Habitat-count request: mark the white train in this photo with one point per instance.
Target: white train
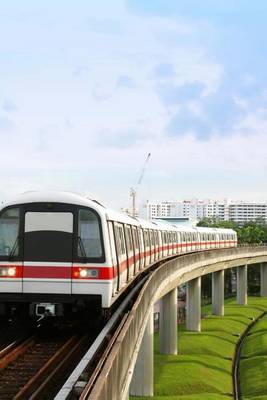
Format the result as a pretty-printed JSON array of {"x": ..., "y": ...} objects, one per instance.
[{"x": 61, "y": 251}]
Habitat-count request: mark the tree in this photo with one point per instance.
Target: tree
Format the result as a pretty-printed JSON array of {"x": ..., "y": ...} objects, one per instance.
[{"x": 251, "y": 232}]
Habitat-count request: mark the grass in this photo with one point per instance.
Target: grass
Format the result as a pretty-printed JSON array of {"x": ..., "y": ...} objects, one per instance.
[
  {"x": 203, "y": 368},
  {"x": 253, "y": 363}
]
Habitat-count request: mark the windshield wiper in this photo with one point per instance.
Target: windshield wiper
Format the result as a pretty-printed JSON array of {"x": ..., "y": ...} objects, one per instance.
[
  {"x": 14, "y": 248},
  {"x": 81, "y": 246}
]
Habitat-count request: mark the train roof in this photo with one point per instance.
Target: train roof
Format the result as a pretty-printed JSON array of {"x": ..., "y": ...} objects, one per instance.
[
  {"x": 78, "y": 199},
  {"x": 54, "y": 197}
]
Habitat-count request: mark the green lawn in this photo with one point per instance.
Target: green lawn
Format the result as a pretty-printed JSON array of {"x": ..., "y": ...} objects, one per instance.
[
  {"x": 203, "y": 368},
  {"x": 253, "y": 363}
]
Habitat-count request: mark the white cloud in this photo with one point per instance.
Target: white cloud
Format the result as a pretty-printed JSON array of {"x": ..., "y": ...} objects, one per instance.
[{"x": 76, "y": 129}]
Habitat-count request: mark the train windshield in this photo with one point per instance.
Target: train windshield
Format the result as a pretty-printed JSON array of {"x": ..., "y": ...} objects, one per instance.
[
  {"x": 48, "y": 236},
  {"x": 89, "y": 238},
  {"x": 9, "y": 232}
]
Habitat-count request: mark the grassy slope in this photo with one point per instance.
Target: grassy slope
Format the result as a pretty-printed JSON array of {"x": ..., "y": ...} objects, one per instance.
[
  {"x": 202, "y": 370},
  {"x": 254, "y": 363}
]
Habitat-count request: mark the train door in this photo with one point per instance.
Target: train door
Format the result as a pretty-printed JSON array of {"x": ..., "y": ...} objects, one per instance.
[
  {"x": 194, "y": 244},
  {"x": 178, "y": 242},
  {"x": 156, "y": 239},
  {"x": 182, "y": 241},
  {"x": 141, "y": 248},
  {"x": 48, "y": 252},
  {"x": 130, "y": 251},
  {"x": 171, "y": 243},
  {"x": 136, "y": 250},
  {"x": 114, "y": 258},
  {"x": 199, "y": 241},
  {"x": 164, "y": 244},
  {"x": 152, "y": 245},
  {"x": 188, "y": 241},
  {"x": 121, "y": 253},
  {"x": 222, "y": 239},
  {"x": 215, "y": 240},
  {"x": 168, "y": 243},
  {"x": 174, "y": 242},
  {"x": 209, "y": 241},
  {"x": 147, "y": 247},
  {"x": 206, "y": 241}
]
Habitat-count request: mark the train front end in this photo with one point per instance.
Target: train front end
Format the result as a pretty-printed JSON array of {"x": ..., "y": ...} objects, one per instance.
[{"x": 52, "y": 256}]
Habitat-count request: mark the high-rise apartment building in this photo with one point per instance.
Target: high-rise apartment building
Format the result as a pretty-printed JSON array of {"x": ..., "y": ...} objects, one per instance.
[{"x": 239, "y": 212}]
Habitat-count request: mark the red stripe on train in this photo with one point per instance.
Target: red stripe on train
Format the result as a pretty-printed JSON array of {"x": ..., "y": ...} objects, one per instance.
[
  {"x": 104, "y": 273},
  {"x": 48, "y": 272}
]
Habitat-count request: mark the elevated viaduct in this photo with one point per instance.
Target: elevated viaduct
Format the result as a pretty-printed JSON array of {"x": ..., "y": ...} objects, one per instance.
[{"x": 129, "y": 367}]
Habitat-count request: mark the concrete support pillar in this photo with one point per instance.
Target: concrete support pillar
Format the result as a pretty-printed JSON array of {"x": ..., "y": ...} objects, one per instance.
[
  {"x": 242, "y": 285},
  {"x": 142, "y": 383},
  {"x": 193, "y": 305},
  {"x": 264, "y": 279},
  {"x": 218, "y": 293},
  {"x": 168, "y": 323}
]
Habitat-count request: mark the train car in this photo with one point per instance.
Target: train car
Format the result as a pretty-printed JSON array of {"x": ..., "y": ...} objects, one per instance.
[{"x": 62, "y": 251}]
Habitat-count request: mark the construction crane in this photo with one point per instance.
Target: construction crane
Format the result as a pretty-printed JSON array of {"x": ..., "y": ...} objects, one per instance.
[{"x": 133, "y": 190}]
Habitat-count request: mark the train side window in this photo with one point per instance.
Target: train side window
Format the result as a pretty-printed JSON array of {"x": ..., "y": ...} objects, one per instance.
[
  {"x": 128, "y": 236},
  {"x": 145, "y": 237},
  {"x": 122, "y": 240},
  {"x": 152, "y": 238},
  {"x": 9, "y": 232},
  {"x": 165, "y": 237},
  {"x": 141, "y": 239},
  {"x": 117, "y": 238},
  {"x": 89, "y": 243},
  {"x": 156, "y": 238},
  {"x": 135, "y": 239}
]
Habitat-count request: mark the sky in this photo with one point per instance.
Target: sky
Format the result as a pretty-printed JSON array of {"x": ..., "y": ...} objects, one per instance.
[{"x": 88, "y": 89}]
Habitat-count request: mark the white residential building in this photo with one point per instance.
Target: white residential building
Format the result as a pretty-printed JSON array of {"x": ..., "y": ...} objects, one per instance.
[{"x": 224, "y": 210}]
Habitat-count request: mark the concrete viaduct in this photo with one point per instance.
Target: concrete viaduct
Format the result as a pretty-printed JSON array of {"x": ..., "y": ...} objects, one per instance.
[{"x": 129, "y": 367}]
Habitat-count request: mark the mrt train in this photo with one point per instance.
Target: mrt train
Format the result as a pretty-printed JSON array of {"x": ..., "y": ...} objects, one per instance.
[{"x": 61, "y": 251}]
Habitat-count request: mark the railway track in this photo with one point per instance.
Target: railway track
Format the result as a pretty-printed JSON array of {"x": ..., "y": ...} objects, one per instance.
[
  {"x": 14, "y": 331},
  {"x": 236, "y": 362},
  {"x": 27, "y": 369}
]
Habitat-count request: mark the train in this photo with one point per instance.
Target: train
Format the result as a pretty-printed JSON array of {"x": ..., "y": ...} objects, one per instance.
[{"x": 61, "y": 252}]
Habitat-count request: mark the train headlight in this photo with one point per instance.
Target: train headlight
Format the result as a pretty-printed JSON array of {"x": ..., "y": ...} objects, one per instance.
[
  {"x": 88, "y": 273},
  {"x": 83, "y": 273},
  {"x": 11, "y": 271}
]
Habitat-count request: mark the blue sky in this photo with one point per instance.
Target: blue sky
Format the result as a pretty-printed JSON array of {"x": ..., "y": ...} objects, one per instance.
[{"x": 87, "y": 89}]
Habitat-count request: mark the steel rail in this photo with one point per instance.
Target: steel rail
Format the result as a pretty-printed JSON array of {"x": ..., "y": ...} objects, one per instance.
[
  {"x": 25, "y": 367},
  {"x": 38, "y": 383},
  {"x": 237, "y": 356},
  {"x": 14, "y": 350},
  {"x": 57, "y": 367}
]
